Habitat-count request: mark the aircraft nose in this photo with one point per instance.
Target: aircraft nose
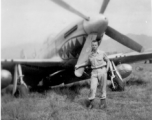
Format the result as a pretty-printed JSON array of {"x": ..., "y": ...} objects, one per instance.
[{"x": 97, "y": 24}]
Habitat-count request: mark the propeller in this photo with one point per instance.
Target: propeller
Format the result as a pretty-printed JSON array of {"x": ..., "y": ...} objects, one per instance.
[
  {"x": 123, "y": 39},
  {"x": 69, "y": 8},
  {"x": 87, "y": 45},
  {"x": 104, "y": 5},
  {"x": 84, "y": 55}
]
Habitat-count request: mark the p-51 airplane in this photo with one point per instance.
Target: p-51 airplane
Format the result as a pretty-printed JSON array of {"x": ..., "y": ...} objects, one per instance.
[{"x": 58, "y": 62}]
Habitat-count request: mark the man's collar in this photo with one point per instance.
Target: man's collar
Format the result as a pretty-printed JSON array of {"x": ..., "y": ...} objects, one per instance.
[{"x": 96, "y": 51}]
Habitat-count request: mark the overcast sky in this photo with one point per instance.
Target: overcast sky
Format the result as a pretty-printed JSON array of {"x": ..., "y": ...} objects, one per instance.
[{"x": 25, "y": 21}]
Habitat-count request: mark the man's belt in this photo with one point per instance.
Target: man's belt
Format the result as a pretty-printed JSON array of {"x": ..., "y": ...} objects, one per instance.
[{"x": 99, "y": 67}]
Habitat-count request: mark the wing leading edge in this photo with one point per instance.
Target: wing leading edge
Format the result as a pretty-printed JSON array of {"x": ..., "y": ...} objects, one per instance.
[
  {"x": 130, "y": 57},
  {"x": 33, "y": 62}
]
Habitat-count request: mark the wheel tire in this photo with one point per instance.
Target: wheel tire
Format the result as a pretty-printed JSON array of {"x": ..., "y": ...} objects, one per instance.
[
  {"x": 22, "y": 90},
  {"x": 119, "y": 84}
]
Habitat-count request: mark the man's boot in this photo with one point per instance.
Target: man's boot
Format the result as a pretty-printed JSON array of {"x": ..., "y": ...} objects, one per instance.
[
  {"x": 90, "y": 106},
  {"x": 103, "y": 104}
]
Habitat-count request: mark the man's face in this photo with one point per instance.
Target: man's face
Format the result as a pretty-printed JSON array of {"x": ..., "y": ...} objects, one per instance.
[{"x": 94, "y": 46}]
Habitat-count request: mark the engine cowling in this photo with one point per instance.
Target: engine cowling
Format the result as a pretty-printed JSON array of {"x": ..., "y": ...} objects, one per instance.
[
  {"x": 6, "y": 78},
  {"x": 125, "y": 70}
]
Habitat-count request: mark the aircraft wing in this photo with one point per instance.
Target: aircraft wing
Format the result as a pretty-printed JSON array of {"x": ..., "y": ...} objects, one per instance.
[
  {"x": 33, "y": 66},
  {"x": 33, "y": 70},
  {"x": 130, "y": 57},
  {"x": 33, "y": 62}
]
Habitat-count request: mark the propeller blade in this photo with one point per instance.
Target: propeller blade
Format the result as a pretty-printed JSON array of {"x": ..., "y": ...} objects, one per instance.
[
  {"x": 104, "y": 5},
  {"x": 123, "y": 39},
  {"x": 84, "y": 54},
  {"x": 69, "y": 8}
]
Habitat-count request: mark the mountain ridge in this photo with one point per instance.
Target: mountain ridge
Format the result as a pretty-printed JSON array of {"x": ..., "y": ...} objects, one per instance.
[{"x": 108, "y": 45}]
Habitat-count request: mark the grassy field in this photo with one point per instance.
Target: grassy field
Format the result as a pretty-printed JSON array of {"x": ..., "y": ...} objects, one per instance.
[{"x": 135, "y": 103}]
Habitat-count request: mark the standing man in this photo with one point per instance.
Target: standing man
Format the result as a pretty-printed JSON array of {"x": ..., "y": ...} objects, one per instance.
[{"x": 100, "y": 65}]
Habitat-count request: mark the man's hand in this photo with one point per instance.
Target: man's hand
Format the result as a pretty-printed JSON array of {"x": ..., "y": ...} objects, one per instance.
[
  {"x": 78, "y": 66},
  {"x": 81, "y": 65}
]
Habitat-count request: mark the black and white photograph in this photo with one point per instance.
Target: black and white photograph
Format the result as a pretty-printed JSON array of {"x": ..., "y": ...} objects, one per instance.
[{"x": 76, "y": 60}]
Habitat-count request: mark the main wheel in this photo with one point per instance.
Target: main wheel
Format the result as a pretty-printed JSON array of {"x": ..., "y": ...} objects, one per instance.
[{"x": 22, "y": 90}]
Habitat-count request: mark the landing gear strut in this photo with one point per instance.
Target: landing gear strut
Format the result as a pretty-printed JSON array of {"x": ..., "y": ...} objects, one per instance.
[
  {"x": 116, "y": 79},
  {"x": 18, "y": 83}
]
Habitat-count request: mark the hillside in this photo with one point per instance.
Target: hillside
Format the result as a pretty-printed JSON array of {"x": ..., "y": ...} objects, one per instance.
[{"x": 107, "y": 45}]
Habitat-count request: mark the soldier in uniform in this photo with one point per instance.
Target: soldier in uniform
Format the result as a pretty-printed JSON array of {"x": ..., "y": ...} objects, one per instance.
[{"x": 100, "y": 65}]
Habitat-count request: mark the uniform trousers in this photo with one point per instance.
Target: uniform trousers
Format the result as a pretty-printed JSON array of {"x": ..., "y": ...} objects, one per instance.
[{"x": 98, "y": 77}]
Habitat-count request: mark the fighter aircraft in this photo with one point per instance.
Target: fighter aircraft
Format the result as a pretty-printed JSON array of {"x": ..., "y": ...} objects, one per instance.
[{"x": 59, "y": 61}]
